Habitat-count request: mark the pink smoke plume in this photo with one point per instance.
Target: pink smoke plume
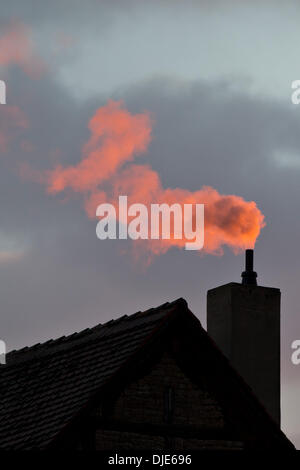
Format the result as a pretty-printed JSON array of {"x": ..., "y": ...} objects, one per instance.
[{"x": 106, "y": 171}]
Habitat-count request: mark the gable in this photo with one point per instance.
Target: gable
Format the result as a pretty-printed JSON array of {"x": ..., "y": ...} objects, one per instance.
[
  {"x": 160, "y": 409},
  {"x": 166, "y": 395}
]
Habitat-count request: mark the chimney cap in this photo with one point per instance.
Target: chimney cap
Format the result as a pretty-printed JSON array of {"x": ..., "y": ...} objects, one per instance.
[{"x": 249, "y": 276}]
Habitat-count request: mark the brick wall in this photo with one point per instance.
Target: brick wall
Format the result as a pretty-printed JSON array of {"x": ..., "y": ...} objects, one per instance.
[{"x": 146, "y": 403}]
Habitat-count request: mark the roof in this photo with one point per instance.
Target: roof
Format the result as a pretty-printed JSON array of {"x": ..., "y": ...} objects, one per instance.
[{"x": 44, "y": 387}]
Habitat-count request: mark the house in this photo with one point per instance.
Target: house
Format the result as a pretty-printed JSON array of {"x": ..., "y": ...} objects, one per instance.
[{"x": 151, "y": 380}]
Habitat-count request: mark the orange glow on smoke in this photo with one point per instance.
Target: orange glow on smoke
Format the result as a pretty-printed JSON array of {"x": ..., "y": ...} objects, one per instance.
[
  {"x": 117, "y": 137},
  {"x": 229, "y": 219}
]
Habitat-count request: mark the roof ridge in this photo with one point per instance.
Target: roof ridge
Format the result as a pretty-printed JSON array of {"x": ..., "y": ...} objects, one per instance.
[{"x": 77, "y": 339}]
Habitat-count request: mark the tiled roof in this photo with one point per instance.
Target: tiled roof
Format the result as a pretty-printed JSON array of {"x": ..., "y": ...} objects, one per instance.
[{"x": 42, "y": 387}]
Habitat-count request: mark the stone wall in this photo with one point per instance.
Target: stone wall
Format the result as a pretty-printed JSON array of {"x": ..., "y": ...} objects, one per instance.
[{"x": 163, "y": 399}]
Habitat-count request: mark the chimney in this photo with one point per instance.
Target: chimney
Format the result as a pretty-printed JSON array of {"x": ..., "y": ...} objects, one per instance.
[{"x": 244, "y": 321}]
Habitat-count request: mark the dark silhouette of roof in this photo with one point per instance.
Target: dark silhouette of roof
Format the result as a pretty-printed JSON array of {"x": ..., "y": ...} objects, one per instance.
[{"x": 43, "y": 388}]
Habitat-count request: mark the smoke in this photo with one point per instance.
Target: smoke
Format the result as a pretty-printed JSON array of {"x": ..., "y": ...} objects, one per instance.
[
  {"x": 116, "y": 137},
  {"x": 16, "y": 48},
  {"x": 107, "y": 170}
]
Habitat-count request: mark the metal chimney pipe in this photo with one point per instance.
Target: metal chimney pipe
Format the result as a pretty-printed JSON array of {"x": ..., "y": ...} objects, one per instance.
[
  {"x": 249, "y": 260},
  {"x": 249, "y": 276}
]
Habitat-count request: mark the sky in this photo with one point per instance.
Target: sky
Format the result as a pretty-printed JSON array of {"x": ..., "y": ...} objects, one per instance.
[{"x": 214, "y": 79}]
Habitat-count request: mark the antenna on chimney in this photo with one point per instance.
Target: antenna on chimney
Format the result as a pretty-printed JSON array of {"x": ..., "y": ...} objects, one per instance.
[{"x": 249, "y": 276}]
